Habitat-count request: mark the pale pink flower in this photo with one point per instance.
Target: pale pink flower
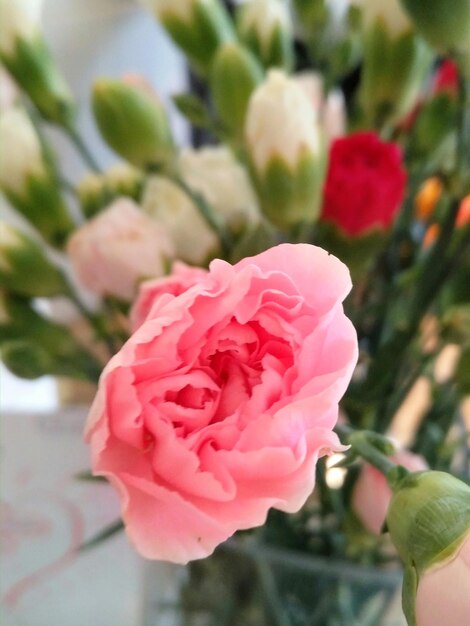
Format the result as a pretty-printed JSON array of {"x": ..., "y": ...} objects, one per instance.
[
  {"x": 119, "y": 247},
  {"x": 443, "y": 595},
  {"x": 372, "y": 495},
  {"x": 219, "y": 405}
]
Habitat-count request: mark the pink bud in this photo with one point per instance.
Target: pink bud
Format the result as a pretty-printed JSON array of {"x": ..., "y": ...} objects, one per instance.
[
  {"x": 443, "y": 595},
  {"x": 118, "y": 248},
  {"x": 372, "y": 495}
]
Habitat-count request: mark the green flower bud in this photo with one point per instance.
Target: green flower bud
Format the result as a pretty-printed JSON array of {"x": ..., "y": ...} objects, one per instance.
[
  {"x": 133, "y": 122},
  {"x": 446, "y": 25},
  {"x": 428, "y": 519},
  {"x": 198, "y": 27},
  {"x": 266, "y": 28},
  {"x": 25, "y": 359},
  {"x": 25, "y": 54},
  {"x": 395, "y": 65},
  {"x": 24, "y": 268},
  {"x": 27, "y": 180},
  {"x": 33, "y": 346},
  {"x": 96, "y": 191},
  {"x": 286, "y": 151},
  {"x": 235, "y": 74}
]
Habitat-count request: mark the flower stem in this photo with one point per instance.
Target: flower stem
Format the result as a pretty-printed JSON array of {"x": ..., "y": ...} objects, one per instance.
[
  {"x": 81, "y": 148},
  {"x": 94, "y": 321},
  {"x": 375, "y": 449},
  {"x": 208, "y": 213}
]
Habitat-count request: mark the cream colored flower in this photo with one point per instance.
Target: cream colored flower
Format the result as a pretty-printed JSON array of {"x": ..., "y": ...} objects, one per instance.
[
  {"x": 182, "y": 9},
  {"x": 18, "y": 18},
  {"x": 263, "y": 17},
  {"x": 220, "y": 178},
  {"x": 194, "y": 241},
  {"x": 280, "y": 122},
  {"x": 390, "y": 12},
  {"x": 20, "y": 151}
]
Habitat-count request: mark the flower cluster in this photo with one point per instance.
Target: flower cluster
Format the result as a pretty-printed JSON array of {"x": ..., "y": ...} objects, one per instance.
[{"x": 312, "y": 250}]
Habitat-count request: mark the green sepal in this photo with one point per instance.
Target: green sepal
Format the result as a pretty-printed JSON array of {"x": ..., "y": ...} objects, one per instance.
[
  {"x": 433, "y": 138},
  {"x": 408, "y": 593},
  {"x": 290, "y": 197},
  {"x": 234, "y": 76},
  {"x": 199, "y": 36},
  {"x": 393, "y": 73},
  {"x": 42, "y": 205},
  {"x": 278, "y": 53},
  {"x": 358, "y": 252},
  {"x": 33, "y": 346},
  {"x": 446, "y": 25},
  {"x": 32, "y": 66},
  {"x": 25, "y": 270}
]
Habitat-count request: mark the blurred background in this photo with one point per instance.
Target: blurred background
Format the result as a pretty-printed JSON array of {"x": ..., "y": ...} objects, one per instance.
[
  {"x": 45, "y": 511},
  {"x": 91, "y": 38}
]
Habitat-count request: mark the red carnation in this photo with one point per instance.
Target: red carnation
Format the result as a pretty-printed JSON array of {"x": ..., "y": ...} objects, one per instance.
[
  {"x": 446, "y": 78},
  {"x": 365, "y": 184}
]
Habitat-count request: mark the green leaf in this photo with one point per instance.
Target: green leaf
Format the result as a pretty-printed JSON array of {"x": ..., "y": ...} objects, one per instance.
[
  {"x": 408, "y": 595},
  {"x": 103, "y": 535},
  {"x": 193, "y": 109}
]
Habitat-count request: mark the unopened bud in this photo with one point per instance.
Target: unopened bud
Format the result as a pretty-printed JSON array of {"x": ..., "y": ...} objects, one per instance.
[
  {"x": 235, "y": 74},
  {"x": 445, "y": 25},
  {"x": 266, "y": 28},
  {"x": 198, "y": 27},
  {"x": 25, "y": 54},
  {"x": 286, "y": 151},
  {"x": 429, "y": 523},
  {"x": 27, "y": 180},
  {"x": 24, "y": 268},
  {"x": 133, "y": 123}
]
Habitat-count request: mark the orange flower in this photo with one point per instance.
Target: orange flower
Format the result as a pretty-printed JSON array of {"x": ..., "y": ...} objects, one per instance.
[
  {"x": 463, "y": 215},
  {"x": 428, "y": 197},
  {"x": 431, "y": 235}
]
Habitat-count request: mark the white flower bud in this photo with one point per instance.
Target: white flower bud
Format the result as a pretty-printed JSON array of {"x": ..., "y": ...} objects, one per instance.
[
  {"x": 198, "y": 27},
  {"x": 18, "y": 19},
  {"x": 390, "y": 13},
  {"x": 20, "y": 151},
  {"x": 280, "y": 122},
  {"x": 266, "y": 27},
  {"x": 193, "y": 239},
  {"x": 285, "y": 148},
  {"x": 176, "y": 8}
]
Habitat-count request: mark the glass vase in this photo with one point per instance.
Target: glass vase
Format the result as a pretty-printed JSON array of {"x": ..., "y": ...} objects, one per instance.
[{"x": 245, "y": 585}]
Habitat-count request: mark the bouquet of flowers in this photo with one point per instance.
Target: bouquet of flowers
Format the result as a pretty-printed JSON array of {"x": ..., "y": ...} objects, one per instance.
[{"x": 278, "y": 318}]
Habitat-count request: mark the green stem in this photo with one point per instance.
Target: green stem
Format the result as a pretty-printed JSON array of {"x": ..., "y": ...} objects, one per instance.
[
  {"x": 208, "y": 213},
  {"x": 82, "y": 149},
  {"x": 93, "y": 320},
  {"x": 463, "y": 146}
]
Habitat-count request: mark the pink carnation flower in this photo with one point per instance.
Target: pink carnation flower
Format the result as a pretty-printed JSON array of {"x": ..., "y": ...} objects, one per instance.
[
  {"x": 182, "y": 277},
  {"x": 221, "y": 402},
  {"x": 116, "y": 249}
]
